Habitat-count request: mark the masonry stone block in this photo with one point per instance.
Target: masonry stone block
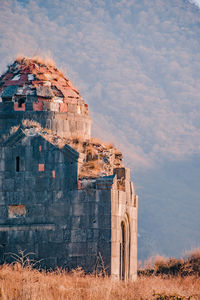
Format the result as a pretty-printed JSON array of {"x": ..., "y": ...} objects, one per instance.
[
  {"x": 3, "y": 211},
  {"x": 78, "y": 209},
  {"x": 92, "y": 235},
  {"x": 66, "y": 126},
  {"x": 92, "y": 248},
  {"x": 72, "y": 126},
  {"x": 77, "y": 249},
  {"x": 49, "y": 262},
  {"x": 104, "y": 221},
  {"x": 9, "y": 197},
  {"x": 105, "y": 235},
  {"x": 67, "y": 235},
  {"x": 8, "y": 184},
  {"x": 71, "y": 263},
  {"x": 2, "y": 198},
  {"x": 18, "y": 197},
  {"x": 76, "y": 221},
  {"x": 58, "y": 209},
  {"x": 78, "y": 236},
  {"x": 7, "y": 175},
  {"x": 92, "y": 221},
  {"x": 19, "y": 182},
  {"x": 35, "y": 210}
]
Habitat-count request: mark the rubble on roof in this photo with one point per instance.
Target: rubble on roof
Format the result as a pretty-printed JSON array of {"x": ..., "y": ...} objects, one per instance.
[
  {"x": 95, "y": 159},
  {"x": 57, "y": 92},
  {"x": 44, "y": 91},
  {"x": 44, "y": 81}
]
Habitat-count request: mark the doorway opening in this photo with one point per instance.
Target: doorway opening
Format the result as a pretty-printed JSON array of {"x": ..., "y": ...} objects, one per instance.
[
  {"x": 122, "y": 252},
  {"x": 125, "y": 250}
]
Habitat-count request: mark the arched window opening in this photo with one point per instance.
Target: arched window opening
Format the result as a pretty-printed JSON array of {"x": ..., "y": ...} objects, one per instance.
[
  {"x": 21, "y": 101},
  {"x": 17, "y": 164},
  {"x": 122, "y": 252}
]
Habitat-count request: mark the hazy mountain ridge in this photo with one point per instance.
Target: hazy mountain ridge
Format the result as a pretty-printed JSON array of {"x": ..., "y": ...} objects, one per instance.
[
  {"x": 137, "y": 65},
  {"x": 169, "y": 209}
]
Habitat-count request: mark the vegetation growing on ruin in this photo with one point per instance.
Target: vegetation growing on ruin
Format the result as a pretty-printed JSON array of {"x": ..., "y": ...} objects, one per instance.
[
  {"x": 47, "y": 60},
  {"x": 96, "y": 157},
  {"x": 21, "y": 281}
]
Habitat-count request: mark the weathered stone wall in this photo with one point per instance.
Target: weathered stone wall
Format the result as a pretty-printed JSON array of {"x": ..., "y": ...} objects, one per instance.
[
  {"x": 45, "y": 211},
  {"x": 33, "y": 173},
  {"x": 72, "y": 230},
  {"x": 82, "y": 232},
  {"x": 91, "y": 223},
  {"x": 67, "y": 124},
  {"x": 42, "y": 211}
]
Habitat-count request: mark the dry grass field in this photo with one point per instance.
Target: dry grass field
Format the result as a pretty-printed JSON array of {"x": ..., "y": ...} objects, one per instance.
[
  {"x": 17, "y": 283},
  {"x": 162, "y": 280}
]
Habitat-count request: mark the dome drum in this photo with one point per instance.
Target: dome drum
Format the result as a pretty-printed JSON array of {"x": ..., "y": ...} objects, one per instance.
[{"x": 30, "y": 89}]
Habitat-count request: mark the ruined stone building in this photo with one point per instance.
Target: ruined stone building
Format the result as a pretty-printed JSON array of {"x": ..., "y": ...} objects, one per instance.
[{"x": 64, "y": 196}]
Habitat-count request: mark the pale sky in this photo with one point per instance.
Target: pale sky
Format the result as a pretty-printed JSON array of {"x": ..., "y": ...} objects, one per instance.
[{"x": 197, "y": 2}]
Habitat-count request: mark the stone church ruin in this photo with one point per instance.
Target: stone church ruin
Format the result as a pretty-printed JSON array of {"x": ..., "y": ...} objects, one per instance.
[{"x": 64, "y": 195}]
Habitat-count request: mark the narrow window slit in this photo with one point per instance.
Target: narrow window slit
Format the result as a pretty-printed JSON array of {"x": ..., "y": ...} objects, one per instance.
[{"x": 17, "y": 163}]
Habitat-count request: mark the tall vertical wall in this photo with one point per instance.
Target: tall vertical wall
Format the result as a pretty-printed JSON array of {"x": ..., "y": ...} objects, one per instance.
[{"x": 123, "y": 215}]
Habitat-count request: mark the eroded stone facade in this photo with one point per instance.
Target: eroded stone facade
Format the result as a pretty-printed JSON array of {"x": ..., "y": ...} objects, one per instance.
[{"x": 47, "y": 208}]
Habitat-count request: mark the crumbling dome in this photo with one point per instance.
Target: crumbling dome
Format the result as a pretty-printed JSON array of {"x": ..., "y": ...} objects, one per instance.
[{"x": 33, "y": 89}]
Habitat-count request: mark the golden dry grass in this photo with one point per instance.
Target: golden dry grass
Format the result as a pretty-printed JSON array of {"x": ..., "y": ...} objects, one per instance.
[
  {"x": 18, "y": 283},
  {"x": 94, "y": 150},
  {"x": 38, "y": 59},
  {"x": 189, "y": 264},
  {"x": 13, "y": 129}
]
